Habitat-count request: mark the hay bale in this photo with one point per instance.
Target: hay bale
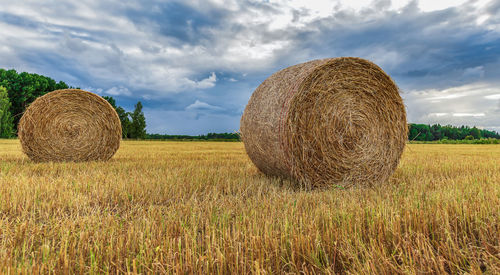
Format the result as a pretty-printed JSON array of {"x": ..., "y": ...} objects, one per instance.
[
  {"x": 70, "y": 125},
  {"x": 326, "y": 122}
]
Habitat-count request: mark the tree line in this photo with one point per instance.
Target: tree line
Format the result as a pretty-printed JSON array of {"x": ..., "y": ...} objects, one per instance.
[
  {"x": 425, "y": 132},
  {"x": 417, "y": 132},
  {"x": 19, "y": 90},
  {"x": 209, "y": 136}
]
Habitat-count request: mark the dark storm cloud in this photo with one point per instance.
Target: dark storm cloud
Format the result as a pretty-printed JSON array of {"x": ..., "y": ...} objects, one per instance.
[
  {"x": 197, "y": 62},
  {"x": 184, "y": 23},
  {"x": 431, "y": 49}
]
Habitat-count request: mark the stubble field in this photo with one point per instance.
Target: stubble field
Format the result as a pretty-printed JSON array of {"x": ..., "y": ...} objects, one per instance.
[{"x": 202, "y": 207}]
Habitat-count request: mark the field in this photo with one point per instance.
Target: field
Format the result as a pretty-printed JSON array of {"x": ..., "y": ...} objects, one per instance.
[{"x": 202, "y": 207}]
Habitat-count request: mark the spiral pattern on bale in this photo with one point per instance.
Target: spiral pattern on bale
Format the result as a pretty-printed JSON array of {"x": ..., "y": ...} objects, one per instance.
[
  {"x": 70, "y": 125},
  {"x": 338, "y": 121}
]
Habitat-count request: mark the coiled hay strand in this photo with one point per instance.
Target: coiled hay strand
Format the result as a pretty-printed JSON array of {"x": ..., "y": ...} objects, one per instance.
[
  {"x": 70, "y": 125},
  {"x": 329, "y": 122}
]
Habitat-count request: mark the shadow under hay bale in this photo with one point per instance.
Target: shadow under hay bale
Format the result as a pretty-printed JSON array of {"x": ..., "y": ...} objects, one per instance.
[
  {"x": 329, "y": 122},
  {"x": 70, "y": 125}
]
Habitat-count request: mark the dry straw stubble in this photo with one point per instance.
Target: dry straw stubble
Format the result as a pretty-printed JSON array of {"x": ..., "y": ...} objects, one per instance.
[
  {"x": 70, "y": 125},
  {"x": 338, "y": 121}
]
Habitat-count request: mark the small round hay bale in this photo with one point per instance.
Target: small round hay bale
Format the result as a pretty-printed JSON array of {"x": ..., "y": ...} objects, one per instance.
[
  {"x": 338, "y": 121},
  {"x": 70, "y": 125}
]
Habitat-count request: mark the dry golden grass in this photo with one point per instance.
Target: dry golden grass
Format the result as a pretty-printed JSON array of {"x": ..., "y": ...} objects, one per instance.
[{"x": 201, "y": 207}]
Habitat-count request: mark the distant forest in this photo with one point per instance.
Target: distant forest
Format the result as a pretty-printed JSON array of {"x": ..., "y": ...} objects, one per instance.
[
  {"x": 424, "y": 132},
  {"x": 209, "y": 136},
  {"x": 417, "y": 132}
]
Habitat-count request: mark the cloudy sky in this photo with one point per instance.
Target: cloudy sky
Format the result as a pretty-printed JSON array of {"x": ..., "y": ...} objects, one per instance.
[{"x": 195, "y": 63}]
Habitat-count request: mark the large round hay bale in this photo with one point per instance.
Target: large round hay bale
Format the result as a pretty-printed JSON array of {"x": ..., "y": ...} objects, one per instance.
[
  {"x": 338, "y": 121},
  {"x": 70, "y": 125}
]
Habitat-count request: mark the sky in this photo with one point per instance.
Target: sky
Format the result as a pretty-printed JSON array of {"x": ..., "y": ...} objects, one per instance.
[{"x": 195, "y": 63}]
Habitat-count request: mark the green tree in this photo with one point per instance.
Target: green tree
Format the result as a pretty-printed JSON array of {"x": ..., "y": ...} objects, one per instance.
[
  {"x": 124, "y": 119},
  {"x": 6, "y": 119},
  {"x": 420, "y": 132},
  {"x": 475, "y": 133},
  {"x": 24, "y": 88},
  {"x": 436, "y": 131},
  {"x": 110, "y": 100},
  {"x": 413, "y": 133},
  {"x": 123, "y": 115},
  {"x": 138, "y": 125}
]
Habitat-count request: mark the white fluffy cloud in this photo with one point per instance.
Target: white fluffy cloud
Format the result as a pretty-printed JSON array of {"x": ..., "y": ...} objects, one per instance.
[
  {"x": 200, "y": 105},
  {"x": 118, "y": 91}
]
